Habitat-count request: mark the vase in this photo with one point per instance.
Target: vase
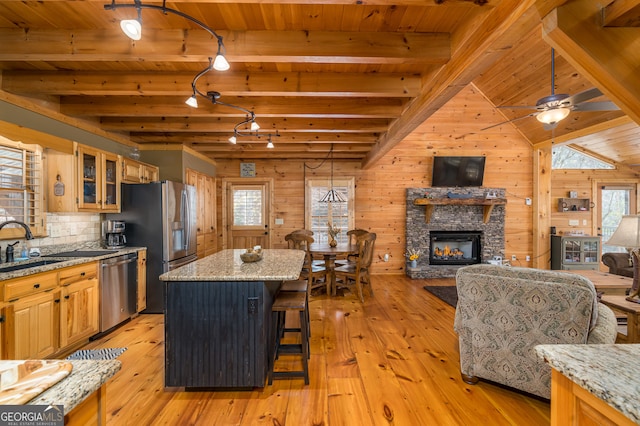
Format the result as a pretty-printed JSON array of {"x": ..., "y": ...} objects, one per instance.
[
  {"x": 332, "y": 242},
  {"x": 414, "y": 263}
]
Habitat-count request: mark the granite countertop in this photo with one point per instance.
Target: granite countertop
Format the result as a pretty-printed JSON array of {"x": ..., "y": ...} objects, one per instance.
[
  {"x": 48, "y": 253},
  {"x": 85, "y": 378},
  {"x": 226, "y": 265},
  {"x": 609, "y": 372}
]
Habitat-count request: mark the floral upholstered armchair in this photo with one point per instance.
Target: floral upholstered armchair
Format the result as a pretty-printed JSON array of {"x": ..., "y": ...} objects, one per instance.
[{"x": 504, "y": 312}]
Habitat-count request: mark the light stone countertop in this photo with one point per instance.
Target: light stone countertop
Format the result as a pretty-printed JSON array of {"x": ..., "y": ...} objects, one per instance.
[
  {"x": 226, "y": 265},
  {"x": 85, "y": 378},
  {"x": 48, "y": 253},
  {"x": 609, "y": 372}
]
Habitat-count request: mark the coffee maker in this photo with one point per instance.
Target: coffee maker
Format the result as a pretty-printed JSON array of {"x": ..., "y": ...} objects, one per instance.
[{"x": 113, "y": 234}]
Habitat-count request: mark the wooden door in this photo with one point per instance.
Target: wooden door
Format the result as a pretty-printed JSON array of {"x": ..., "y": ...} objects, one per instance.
[
  {"x": 79, "y": 312},
  {"x": 32, "y": 325},
  {"x": 247, "y": 213}
]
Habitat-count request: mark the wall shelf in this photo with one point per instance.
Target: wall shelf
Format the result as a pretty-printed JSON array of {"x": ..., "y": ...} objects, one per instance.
[{"x": 487, "y": 203}]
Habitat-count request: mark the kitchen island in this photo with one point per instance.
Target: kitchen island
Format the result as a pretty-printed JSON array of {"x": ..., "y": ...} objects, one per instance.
[{"x": 218, "y": 331}]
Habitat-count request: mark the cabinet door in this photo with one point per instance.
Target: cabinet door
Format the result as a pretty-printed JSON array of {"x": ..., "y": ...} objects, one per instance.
[
  {"x": 590, "y": 251},
  {"x": 210, "y": 204},
  {"x": 150, "y": 173},
  {"x": 79, "y": 311},
  {"x": 110, "y": 180},
  {"x": 141, "y": 304},
  {"x": 32, "y": 324},
  {"x": 572, "y": 250},
  {"x": 131, "y": 171},
  {"x": 89, "y": 184}
]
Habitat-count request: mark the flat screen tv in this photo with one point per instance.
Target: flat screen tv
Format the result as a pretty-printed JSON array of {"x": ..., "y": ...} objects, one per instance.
[{"x": 458, "y": 171}]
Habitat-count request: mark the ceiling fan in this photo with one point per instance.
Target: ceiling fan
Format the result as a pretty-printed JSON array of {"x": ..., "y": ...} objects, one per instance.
[{"x": 551, "y": 109}]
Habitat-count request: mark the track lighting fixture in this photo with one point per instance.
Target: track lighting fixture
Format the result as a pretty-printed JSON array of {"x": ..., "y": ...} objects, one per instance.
[{"x": 133, "y": 27}]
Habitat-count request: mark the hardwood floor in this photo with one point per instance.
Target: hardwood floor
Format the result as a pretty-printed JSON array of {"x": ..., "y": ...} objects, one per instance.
[{"x": 392, "y": 360}]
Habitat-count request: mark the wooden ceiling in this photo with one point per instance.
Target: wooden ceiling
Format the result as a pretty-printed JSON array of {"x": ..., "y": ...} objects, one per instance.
[{"x": 355, "y": 75}]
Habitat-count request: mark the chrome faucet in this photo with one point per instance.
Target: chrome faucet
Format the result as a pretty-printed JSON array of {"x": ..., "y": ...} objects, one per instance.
[{"x": 27, "y": 231}]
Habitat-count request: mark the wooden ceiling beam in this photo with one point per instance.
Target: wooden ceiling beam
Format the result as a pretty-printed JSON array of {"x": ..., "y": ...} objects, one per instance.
[
  {"x": 622, "y": 13},
  {"x": 287, "y": 137},
  {"x": 457, "y": 3},
  {"x": 198, "y": 124},
  {"x": 227, "y": 83},
  {"x": 574, "y": 30},
  {"x": 240, "y": 46},
  {"x": 174, "y": 106},
  {"x": 477, "y": 45}
]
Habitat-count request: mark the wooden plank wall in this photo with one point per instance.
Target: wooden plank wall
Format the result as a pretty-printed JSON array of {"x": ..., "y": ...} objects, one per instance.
[{"x": 380, "y": 191}]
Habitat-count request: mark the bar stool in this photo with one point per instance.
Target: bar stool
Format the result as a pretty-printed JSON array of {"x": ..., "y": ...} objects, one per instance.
[
  {"x": 297, "y": 286},
  {"x": 284, "y": 302}
]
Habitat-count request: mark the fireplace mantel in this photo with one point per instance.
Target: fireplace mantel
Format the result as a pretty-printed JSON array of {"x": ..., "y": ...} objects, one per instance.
[{"x": 486, "y": 203}]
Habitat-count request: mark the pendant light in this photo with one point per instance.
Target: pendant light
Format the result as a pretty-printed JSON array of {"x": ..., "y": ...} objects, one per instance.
[{"x": 332, "y": 196}]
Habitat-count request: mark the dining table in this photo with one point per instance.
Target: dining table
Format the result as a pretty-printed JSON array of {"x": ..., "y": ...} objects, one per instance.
[{"x": 330, "y": 255}]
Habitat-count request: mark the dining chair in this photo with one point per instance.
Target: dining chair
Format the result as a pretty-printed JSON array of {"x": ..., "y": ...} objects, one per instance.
[
  {"x": 313, "y": 273},
  {"x": 352, "y": 238},
  {"x": 317, "y": 262},
  {"x": 358, "y": 272}
]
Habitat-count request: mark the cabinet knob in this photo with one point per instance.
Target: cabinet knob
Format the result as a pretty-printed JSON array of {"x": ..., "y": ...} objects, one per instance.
[
  {"x": 67, "y": 297},
  {"x": 36, "y": 286}
]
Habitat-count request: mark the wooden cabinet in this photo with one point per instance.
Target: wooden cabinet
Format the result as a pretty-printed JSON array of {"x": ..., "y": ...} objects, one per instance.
[
  {"x": 575, "y": 252},
  {"x": 141, "y": 303},
  {"x": 79, "y": 303},
  {"x": 206, "y": 239},
  {"x": 88, "y": 181},
  {"x": 32, "y": 326},
  {"x": 45, "y": 314},
  {"x": 134, "y": 171}
]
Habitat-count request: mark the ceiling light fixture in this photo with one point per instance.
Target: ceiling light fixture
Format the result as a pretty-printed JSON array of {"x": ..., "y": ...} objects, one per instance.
[
  {"x": 332, "y": 196},
  {"x": 133, "y": 27},
  {"x": 552, "y": 116}
]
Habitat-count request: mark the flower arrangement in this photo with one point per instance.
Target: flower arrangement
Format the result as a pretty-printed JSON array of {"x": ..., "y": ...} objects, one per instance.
[
  {"x": 333, "y": 230},
  {"x": 413, "y": 254}
]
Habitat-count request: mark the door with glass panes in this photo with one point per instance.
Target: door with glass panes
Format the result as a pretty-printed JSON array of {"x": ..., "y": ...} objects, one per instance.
[{"x": 247, "y": 214}]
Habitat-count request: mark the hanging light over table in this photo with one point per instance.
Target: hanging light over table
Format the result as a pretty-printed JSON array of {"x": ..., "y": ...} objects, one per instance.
[{"x": 332, "y": 196}]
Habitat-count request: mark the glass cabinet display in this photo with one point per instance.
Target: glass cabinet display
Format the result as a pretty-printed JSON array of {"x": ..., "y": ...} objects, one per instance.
[
  {"x": 575, "y": 252},
  {"x": 99, "y": 179}
]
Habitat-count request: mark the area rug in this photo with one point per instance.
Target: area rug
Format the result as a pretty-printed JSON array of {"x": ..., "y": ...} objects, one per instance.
[
  {"x": 447, "y": 293},
  {"x": 96, "y": 354}
]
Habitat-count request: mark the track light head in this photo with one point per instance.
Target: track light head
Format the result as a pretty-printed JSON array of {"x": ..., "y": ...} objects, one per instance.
[
  {"x": 192, "y": 101},
  {"x": 233, "y": 139}
]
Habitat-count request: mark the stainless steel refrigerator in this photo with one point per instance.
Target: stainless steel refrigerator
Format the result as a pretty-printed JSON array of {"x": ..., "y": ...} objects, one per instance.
[{"x": 160, "y": 216}]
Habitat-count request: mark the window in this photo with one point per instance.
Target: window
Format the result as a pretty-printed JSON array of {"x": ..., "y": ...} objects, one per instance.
[
  {"x": 616, "y": 200},
  {"x": 247, "y": 207},
  {"x": 319, "y": 215},
  {"x": 564, "y": 157},
  {"x": 21, "y": 188}
]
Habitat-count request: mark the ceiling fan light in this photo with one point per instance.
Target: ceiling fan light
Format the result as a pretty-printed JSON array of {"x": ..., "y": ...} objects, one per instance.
[
  {"x": 553, "y": 115},
  {"x": 192, "y": 101},
  {"x": 132, "y": 28},
  {"x": 233, "y": 139}
]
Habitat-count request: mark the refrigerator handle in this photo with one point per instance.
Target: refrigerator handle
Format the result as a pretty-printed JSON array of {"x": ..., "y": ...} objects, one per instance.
[{"x": 185, "y": 214}]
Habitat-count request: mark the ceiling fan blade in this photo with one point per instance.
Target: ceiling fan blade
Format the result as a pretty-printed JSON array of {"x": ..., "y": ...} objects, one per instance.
[
  {"x": 583, "y": 96},
  {"x": 596, "y": 106},
  {"x": 511, "y": 121}
]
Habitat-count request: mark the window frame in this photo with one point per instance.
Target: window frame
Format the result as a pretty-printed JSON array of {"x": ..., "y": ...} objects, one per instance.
[
  {"x": 33, "y": 191},
  {"x": 320, "y": 234}
]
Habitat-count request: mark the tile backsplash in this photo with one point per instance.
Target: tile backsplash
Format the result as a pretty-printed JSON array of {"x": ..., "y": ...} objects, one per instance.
[{"x": 69, "y": 228}]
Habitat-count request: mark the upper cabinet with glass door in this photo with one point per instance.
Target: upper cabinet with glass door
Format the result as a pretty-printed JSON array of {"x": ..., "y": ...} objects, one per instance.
[
  {"x": 98, "y": 175},
  {"x": 87, "y": 181}
]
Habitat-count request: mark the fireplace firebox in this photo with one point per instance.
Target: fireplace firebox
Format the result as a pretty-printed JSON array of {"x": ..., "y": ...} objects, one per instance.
[{"x": 455, "y": 247}]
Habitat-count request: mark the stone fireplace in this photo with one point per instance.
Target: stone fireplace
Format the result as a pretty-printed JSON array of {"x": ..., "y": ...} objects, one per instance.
[{"x": 460, "y": 218}]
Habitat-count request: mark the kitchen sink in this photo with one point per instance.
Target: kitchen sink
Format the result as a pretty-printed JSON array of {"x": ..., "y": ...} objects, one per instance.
[{"x": 37, "y": 263}]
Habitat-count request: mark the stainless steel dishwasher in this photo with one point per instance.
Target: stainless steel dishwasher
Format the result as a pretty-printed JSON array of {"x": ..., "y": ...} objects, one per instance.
[{"x": 118, "y": 287}]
